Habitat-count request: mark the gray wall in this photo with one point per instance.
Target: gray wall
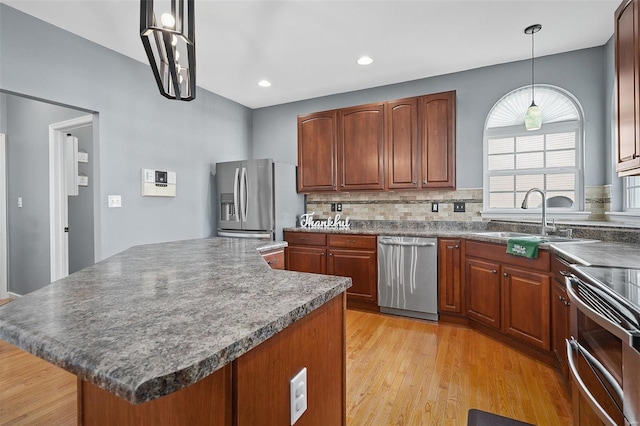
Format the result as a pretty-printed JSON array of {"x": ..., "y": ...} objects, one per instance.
[
  {"x": 28, "y": 177},
  {"x": 80, "y": 207},
  {"x": 580, "y": 72},
  {"x": 137, "y": 128}
]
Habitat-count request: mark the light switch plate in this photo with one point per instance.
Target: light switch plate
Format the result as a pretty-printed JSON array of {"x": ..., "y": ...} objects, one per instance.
[
  {"x": 298, "y": 395},
  {"x": 434, "y": 207}
]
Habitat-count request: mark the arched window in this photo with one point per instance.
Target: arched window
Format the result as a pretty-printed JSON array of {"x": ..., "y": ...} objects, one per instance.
[{"x": 516, "y": 160}]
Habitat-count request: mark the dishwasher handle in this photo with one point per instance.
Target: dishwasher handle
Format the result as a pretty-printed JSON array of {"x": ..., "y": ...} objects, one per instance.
[{"x": 404, "y": 244}]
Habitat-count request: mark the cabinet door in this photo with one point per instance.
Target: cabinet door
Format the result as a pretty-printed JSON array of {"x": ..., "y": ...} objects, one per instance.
[
  {"x": 307, "y": 259},
  {"x": 361, "y": 147},
  {"x": 437, "y": 127},
  {"x": 482, "y": 292},
  {"x": 450, "y": 276},
  {"x": 362, "y": 267},
  {"x": 401, "y": 127},
  {"x": 317, "y": 152},
  {"x": 628, "y": 78},
  {"x": 560, "y": 325},
  {"x": 275, "y": 259},
  {"x": 526, "y": 306}
]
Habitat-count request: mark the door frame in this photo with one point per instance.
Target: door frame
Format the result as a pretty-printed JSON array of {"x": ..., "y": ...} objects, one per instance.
[
  {"x": 58, "y": 202},
  {"x": 4, "y": 278}
]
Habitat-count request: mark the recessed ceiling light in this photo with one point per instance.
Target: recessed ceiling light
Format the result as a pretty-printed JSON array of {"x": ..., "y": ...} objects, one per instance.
[
  {"x": 364, "y": 60},
  {"x": 264, "y": 83}
]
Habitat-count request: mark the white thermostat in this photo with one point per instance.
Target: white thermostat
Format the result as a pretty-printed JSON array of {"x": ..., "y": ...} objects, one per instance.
[{"x": 157, "y": 183}]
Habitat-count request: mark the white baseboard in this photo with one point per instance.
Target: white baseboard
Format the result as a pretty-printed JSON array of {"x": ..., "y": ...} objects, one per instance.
[{"x": 10, "y": 295}]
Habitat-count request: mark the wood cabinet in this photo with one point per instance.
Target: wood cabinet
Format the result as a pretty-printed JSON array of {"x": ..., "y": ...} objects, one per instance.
[
  {"x": 317, "y": 152},
  {"x": 509, "y": 293},
  {"x": 437, "y": 129},
  {"x": 401, "y": 127},
  {"x": 525, "y": 306},
  {"x": 560, "y": 315},
  {"x": 627, "y": 47},
  {"x": 274, "y": 258},
  {"x": 402, "y": 144},
  {"x": 346, "y": 255},
  {"x": 483, "y": 291},
  {"x": 361, "y": 147},
  {"x": 450, "y": 275}
]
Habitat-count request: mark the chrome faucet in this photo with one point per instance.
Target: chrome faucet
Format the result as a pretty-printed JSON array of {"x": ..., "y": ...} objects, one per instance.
[{"x": 525, "y": 205}]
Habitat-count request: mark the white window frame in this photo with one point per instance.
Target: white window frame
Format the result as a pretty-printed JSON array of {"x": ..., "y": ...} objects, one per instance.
[
  {"x": 635, "y": 210},
  {"x": 577, "y": 211}
]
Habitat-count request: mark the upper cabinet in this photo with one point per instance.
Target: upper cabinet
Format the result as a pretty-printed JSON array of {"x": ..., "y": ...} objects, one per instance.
[
  {"x": 401, "y": 126},
  {"x": 317, "y": 152},
  {"x": 437, "y": 140},
  {"x": 403, "y": 144},
  {"x": 627, "y": 45},
  {"x": 361, "y": 147}
]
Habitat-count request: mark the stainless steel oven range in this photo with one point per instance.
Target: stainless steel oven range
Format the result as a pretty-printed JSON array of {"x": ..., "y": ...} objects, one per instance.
[{"x": 604, "y": 348}]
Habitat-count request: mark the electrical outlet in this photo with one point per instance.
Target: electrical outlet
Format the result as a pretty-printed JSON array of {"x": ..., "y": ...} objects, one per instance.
[
  {"x": 298, "y": 388},
  {"x": 339, "y": 207},
  {"x": 458, "y": 207},
  {"x": 115, "y": 201},
  {"x": 333, "y": 207},
  {"x": 434, "y": 207}
]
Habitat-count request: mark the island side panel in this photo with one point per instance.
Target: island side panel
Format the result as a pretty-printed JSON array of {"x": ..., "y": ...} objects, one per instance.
[
  {"x": 261, "y": 377},
  {"x": 207, "y": 402}
]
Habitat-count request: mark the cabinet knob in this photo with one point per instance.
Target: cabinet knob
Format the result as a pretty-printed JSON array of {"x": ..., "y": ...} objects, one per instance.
[
  {"x": 413, "y": 182},
  {"x": 560, "y": 298},
  {"x": 330, "y": 254},
  {"x": 424, "y": 182},
  {"x": 272, "y": 262},
  {"x": 504, "y": 274},
  {"x": 494, "y": 271},
  {"x": 566, "y": 303},
  {"x": 321, "y": 254},
  {"x": 456, "y": 246}
]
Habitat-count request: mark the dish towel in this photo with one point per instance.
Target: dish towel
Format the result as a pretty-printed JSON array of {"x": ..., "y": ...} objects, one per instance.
[{"x": 525, "y": 246}]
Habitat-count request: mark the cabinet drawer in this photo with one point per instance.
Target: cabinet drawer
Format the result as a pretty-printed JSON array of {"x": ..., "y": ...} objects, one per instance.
[
  {"x": 558, "y": 264},
  {"x": 498, "y": 252},
  {"x": 305, "y": 238},
  {"x": 275, "y": 259},
  {"x": 353, "y": 241}
]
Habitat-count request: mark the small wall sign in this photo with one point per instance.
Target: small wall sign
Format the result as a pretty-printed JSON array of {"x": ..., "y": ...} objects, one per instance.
[{"x": 306, "y": 221}]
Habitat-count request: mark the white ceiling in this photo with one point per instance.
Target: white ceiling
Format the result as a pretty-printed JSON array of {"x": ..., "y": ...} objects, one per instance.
[{"x": 309, "y": 48}]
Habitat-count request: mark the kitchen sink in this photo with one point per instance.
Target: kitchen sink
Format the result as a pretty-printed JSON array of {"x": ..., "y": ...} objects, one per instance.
[{"x": 549, "y": 238}]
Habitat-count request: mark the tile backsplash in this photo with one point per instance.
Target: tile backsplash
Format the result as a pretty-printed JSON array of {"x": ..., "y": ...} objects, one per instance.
[
  {"x": 409, "y": 205},
  {"x": 417, "y": 205}
]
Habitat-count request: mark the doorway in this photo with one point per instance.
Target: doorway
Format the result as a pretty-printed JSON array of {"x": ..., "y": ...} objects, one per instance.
[
  {"x": 63, "y": 166},
  {"x": 4, "y": 291}
]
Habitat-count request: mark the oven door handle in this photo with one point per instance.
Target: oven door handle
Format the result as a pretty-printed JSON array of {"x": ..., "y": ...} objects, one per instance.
[
  {"x": 572, "y": 347},
  {"x": 626, "y": 336}
]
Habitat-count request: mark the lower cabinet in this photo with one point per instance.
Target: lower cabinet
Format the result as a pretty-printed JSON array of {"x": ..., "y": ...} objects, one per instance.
[
  {"x": 509, "y": 293},
  {"x": 347, "y": 255},
  {"x": 450, "y": 276},
  {"x": 483, "y": 291},
  {"x": 560, "y": 315}
]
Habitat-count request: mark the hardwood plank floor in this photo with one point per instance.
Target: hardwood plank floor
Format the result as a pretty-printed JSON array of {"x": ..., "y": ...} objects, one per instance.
[
  {"x": 403, "y": 371},
  {"x": 399, "y": 372}
]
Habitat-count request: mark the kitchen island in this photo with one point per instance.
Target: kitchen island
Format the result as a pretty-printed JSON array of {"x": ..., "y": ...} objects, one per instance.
[{"x": 192, "y": 332}]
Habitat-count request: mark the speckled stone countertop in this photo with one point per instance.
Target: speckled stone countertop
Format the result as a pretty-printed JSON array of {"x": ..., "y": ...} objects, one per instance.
[
  {"x": 157, "y": 318},
  {"x": 586, "y": 252}
]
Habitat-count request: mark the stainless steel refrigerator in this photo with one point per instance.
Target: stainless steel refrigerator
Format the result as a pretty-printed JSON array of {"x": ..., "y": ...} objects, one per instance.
[{"x": 257, "y": 198}]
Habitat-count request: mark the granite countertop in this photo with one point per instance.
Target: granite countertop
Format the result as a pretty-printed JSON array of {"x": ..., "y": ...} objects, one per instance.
[
  {"x": 582, "y": 251},
  {"x": 157, "y": 318}
]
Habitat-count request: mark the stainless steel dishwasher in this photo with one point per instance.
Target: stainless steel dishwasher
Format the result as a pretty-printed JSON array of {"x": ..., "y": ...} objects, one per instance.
[{"x": 408, "y": 276}]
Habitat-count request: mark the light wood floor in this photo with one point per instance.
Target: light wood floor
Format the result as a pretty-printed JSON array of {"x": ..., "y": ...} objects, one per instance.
[{"x": 399, "y": 372}]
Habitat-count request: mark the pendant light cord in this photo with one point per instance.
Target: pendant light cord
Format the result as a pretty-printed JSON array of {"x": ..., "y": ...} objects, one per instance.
[{"x": 533, "y": 59}]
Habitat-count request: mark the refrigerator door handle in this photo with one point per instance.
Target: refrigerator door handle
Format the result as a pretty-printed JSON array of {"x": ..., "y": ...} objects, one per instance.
[
  {"x": 235, "y": 194},
  {"x": 244, "y": 194}
]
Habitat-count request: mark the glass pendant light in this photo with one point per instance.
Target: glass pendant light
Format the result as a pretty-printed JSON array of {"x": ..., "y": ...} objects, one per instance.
[
  {"x": 164, "y": 39},
  {"x": 533, "y": 118}
]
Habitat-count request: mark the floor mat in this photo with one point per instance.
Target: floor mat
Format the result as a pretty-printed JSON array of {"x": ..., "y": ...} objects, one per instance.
[{"x": 482, "y": 418}]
